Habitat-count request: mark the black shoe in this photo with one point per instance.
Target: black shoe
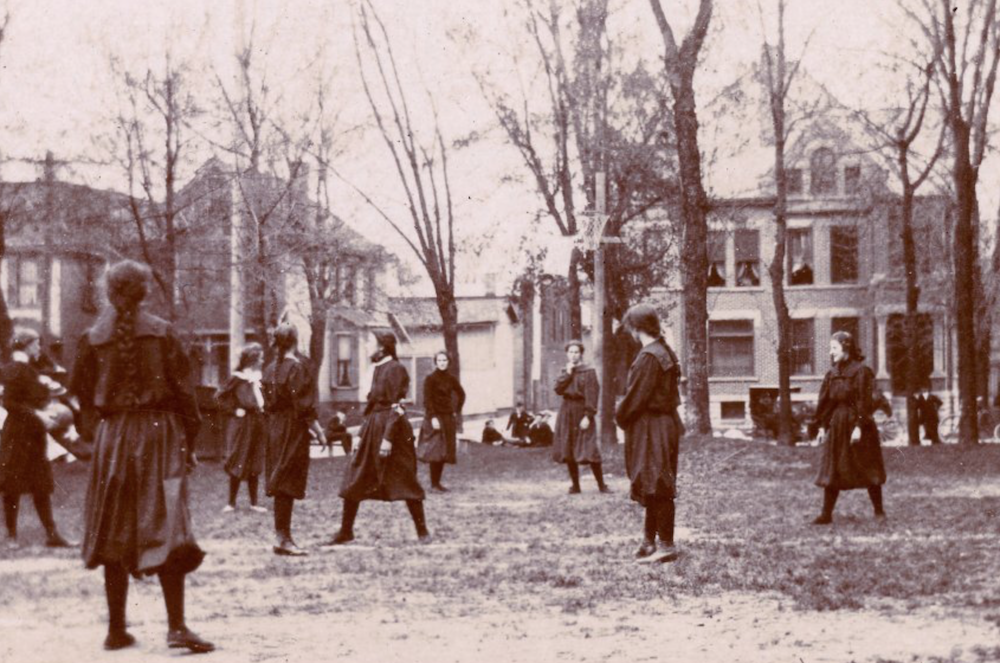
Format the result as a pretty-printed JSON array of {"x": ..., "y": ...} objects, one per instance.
[
  {"x": 603, "y": 488},
  {"x": 574, "y": 490},
  {"x": 185, "y": 638},
  {"x": 118, "y": 640},
  {"x": 55, "y": 540},
  {"x": 822, "y": 519},
  {"x": 646, "y": 549},
  {"x": 339, "y": 539}
]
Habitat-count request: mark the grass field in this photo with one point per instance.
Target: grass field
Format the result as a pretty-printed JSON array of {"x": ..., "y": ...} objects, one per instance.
[{"x": 521, "y": 571}]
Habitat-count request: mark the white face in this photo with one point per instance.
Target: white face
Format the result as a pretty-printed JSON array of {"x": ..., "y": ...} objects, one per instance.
[
  {"x": 836, "y": 350},
  {"x": 574, "y": 354},
  {"x": 442, "y": 363}
]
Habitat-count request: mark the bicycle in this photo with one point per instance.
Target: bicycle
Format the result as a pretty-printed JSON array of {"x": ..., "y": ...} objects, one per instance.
[{"x": 989, "y": 425}]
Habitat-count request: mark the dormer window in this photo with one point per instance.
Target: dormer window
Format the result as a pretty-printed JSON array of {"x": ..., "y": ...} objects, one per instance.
[{"x": 823, "y": 172}]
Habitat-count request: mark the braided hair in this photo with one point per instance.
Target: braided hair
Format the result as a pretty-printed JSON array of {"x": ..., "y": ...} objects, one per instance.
[{"x": 127, "y": 286}]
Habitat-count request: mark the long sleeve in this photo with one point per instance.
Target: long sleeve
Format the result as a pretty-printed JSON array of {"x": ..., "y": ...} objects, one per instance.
[
  {"x": 302, "y": 391},
  {"x": 591, "y": 393},
  {"x": 641, "y": 383},
  {"x": 563, "y": 382},
  {"x": 864, "y": 385},
  {"x": 459, "y": 394},
  {"x": 824, "y": 409},
  {"x": 182, "y": 386},
  {"x": 510, "y": 420},
  {"x": 84, "y": 375}
]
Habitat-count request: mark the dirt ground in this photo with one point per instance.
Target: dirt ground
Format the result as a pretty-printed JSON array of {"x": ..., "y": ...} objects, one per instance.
[{"x": 521, "y": 571}]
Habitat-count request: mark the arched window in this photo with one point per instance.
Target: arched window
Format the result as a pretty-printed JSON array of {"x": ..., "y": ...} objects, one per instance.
[{"x": 823, "y": 172}]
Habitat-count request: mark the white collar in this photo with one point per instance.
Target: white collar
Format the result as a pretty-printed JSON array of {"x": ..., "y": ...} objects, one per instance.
[
  {"x": 20, "y": 356},
  {"x": 383, "y": 360},
  {"x": 248, "y": 375}
]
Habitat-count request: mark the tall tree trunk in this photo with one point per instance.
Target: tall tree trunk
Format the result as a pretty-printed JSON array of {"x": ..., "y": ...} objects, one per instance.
[
  {"x": 776, "y": 270},
  {"x": 965, "y": 282},
  {"x": 573, "y": 290},
  {"x": 912, "y": 302},
  {"x": 694, "y": 264},
  {"x": 528, "y": 322}
]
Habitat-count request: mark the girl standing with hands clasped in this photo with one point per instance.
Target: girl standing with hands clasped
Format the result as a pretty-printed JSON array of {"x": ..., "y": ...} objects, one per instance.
[
  {"x": 242, "y": 398},
  {"x": 576, "y": 435},
  {"x": 851, "y": 456},
  {"x": 290, "y": 401},
  {"x": 443, "y": 397},
  {"x": 132, "y": 371}
]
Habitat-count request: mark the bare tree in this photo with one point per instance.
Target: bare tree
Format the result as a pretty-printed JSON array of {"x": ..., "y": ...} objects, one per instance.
[
  {"x": 896, "y": 136},
  {"x": 965, "y": 43},
  {"x": 422, "y": 170},
  {"x": 681, "y": 64},
  {"x": 159, "y": 108},
  {"x": 8, "y": 212}
]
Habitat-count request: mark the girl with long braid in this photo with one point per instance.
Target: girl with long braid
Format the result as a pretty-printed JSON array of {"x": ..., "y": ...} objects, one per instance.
[{"x": 132, "y": 374}]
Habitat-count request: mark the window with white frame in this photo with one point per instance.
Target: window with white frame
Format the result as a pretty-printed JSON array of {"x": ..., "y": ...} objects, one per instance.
[
  {"x": 747, "y": 249},
  {"x": 803, "y": 347},
  {"x": 24, "y": 283},
  {"x": 800, "y": 256},
  {"x": 716, "y": 259}
]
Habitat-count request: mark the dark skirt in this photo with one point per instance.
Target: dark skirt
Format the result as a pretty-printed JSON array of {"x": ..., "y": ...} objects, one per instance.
[
  {"x": 652, "y": 444},
  {"x": 137, "y": 501},
  {"x": 24, "y": 467},
  {"x": 287, "y": 455},
  {"x": 846, "y": 466},
  {"x": 245, "y": 438},
  {"x": 571, "y": 443},
  {"x": 370, "y": 477},
  {"x": 438, "y": 446}
]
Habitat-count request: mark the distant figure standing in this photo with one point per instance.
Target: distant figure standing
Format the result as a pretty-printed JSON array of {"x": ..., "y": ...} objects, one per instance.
[
  {"x": 132, "y": 372},
  {"x": 851, "y": 455},
  {"x": 290, "y": 403},
  {"x": 928, "y": 407},
  {"x": 384, "y": 467},
  {"x": 519, "y": 423},
  {"x": 242, "y": 399},
  {"x": 24, "y": 464},
  {"x": 648, "y": 415},
  {"x": 443, "y": 399},
  {"x": 575, "y": 441}
]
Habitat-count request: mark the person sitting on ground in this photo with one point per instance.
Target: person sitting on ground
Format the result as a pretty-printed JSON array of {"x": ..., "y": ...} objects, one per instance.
[
  {"x": 540, "y": 433},
  {"x": 490, "y": 434},
  {"x": 519, "y": 422},
  {"x": 336, "y": 431}
]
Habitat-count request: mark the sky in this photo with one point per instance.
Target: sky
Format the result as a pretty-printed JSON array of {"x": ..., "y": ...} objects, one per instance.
[{"x": 57, "y": 92}]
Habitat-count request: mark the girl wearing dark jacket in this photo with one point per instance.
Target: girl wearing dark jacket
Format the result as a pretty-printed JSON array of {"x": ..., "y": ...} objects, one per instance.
[
  {"x": 443, "y": 398},
  {"x": 132, "y": 373},
  {"x": 290, "y": 403},
  {"x": 851, "y": 456},
  {"x": 24, "y": 465},
  {"x": 384, "y": 465},
  {"x": 576, "y": 433},
  {"x": 242, "y": 399},
  {"x": 648, "y": 414}
]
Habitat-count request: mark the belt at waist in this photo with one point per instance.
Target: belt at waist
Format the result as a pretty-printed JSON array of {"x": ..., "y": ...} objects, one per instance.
[{"x": 573, "y": 398}]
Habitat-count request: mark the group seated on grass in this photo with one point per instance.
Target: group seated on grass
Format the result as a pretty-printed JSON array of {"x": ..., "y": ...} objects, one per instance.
[{"x": 539, "y": 433}]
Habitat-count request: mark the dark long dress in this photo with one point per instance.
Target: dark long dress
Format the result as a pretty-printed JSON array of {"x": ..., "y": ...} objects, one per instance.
[
  {"x": 290, "y": 403},
  {"x": 246, "y": 433},
  {"x": 579, "y": 390},
  {"x": 24, "y": 466},
  {"x": 648, "y": 414},
  {"x": 845, "y": 401},
  {"x": 368, "y": 476},
  {"x": 443, "y": 397},
  {"x": 137, "y": 511}
]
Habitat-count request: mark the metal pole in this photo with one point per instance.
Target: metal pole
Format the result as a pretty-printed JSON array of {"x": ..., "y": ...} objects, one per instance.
[{"x": 597, "y": 327}]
